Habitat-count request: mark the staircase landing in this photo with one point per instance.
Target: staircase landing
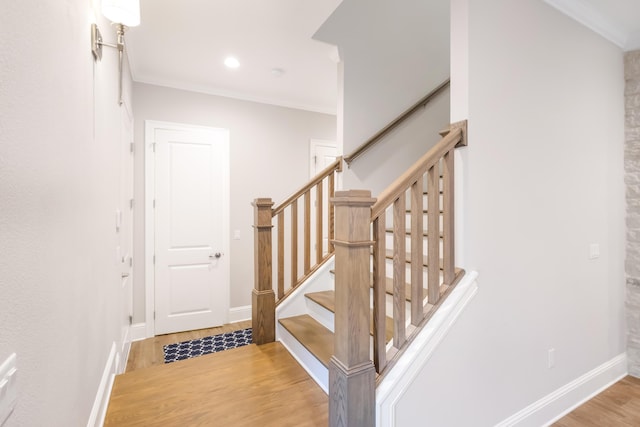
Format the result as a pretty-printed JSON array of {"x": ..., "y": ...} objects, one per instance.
[{"x": 247, "y": 386}]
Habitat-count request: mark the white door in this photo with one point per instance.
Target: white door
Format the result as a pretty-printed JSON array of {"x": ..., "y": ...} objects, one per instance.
[{"x": 191, "y": 223}]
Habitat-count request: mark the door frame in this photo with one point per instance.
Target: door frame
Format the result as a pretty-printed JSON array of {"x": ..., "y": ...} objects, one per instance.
[
  {"x": 313, "y": 143},
  {"x": 150, "y": 126}
]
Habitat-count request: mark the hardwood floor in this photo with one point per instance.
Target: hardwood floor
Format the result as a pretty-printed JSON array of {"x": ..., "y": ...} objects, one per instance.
[
  {"x": 147, "y": 353},
  {"x": 247, "y": 386},
  {"x": 619, "y": 405}
]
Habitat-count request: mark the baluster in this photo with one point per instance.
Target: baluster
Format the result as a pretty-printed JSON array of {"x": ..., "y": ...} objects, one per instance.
[
  {"x": 399, "y": 270},
  {"x": 319, "y": 222},
  {"x": 379, "y": 293},
  {"x": 448, "y": 218},
  {"x": 307, "y": 232},
  {"x": 331, "y": 216},
  {"x": 294, "y": 243},
  {"x": 417, "y": 241},
  {"x": 433, "y": 234},
  {"x": 263, "y": 307},
  {"x": 351, "y": 372},
  {"x": 280, "y": 255}
]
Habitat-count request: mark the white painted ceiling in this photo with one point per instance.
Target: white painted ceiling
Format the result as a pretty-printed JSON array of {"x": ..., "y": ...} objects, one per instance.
[
  {"x": 183, "y": 43},
  {"x": 616, "y": 20}
]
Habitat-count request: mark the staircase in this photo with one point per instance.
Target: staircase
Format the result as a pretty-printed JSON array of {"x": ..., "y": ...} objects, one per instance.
[
  {"x": 308, "y": 330},
  {"x": 351, "y": 314}
]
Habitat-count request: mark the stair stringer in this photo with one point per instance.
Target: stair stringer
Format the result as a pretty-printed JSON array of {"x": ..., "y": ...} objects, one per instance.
[
  {"x": 297, "y": 304},
  {"x": 396, "y": 382}
]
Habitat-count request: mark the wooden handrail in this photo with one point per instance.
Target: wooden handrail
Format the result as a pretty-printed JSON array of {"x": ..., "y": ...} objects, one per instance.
[
  {"x": 395, "y": 122},
  {"x": 336, "y": 166}
]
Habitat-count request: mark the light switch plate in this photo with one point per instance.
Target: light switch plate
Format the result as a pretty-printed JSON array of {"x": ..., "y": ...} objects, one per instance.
[
  {"x": 594, "y": 251},
  {"x": 8, "y": 387}
]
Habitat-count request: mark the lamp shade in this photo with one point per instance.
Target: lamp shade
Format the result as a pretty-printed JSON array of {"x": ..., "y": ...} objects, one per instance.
[{"x": 125, "y": 12}]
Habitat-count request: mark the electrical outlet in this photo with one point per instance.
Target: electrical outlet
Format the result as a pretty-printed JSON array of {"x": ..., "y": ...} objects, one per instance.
[
  {"x": 552, "y": 357},
  {"x": 8, "y": 387}
]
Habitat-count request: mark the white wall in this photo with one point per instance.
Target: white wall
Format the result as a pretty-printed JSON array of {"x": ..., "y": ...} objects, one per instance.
[
  {"x": 393, "y": 54},
  {"x": 269, "y": 150},
  {"x": 59, "y": 184},
  {"x": 544, "y": 179}
]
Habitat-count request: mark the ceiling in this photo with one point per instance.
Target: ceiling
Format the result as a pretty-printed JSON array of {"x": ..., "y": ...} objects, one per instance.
[
  {"x": 183, "y": 44},
  {"x": 615, "y": 20}
]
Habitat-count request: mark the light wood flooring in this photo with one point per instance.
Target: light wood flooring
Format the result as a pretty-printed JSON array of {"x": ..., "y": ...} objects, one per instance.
[
  {"x": 619, "y": 405},
  {"x": 228, "y": 388},
  {"x": 247, "y": 386}
]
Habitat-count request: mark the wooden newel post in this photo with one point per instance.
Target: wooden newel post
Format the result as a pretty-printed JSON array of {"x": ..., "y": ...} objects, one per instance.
[
  {"x": 263, "y": 301},
  {"x": 351, "y": 371}
]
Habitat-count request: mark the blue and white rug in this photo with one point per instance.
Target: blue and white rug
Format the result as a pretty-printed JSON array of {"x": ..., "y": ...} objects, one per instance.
[{"x": 201, "y": 346}]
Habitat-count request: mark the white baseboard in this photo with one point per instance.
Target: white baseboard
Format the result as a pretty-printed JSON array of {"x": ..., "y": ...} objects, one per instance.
[
  {"x": 568, "y": 397},
  {"x": 100, "y": 403},
  {"x": 238, "y": 314},
  {"x": 138, "y": 331}
]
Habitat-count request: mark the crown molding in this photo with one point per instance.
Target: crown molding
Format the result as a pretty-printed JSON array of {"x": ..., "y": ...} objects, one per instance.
[
  {"x": 235, "y": 95},
  {"x": 592, "y": 19}
]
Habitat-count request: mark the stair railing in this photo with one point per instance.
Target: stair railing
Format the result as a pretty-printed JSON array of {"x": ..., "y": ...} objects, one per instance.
[
  {"x": 395, "y": 122},
  {"x": 304, "y": 220},
  {"x": 351, "y": 371}
]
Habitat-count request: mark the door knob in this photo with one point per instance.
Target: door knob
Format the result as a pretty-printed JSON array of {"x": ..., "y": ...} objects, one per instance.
[{"x": 217, "y": 255}]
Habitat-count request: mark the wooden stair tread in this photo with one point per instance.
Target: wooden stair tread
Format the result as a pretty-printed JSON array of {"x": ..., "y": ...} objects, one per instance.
[
  {"x": 312, "y": 335},
  {"x": 408, "y": 232},
  {"x": 327, "y": 300},
  {"x": 389, "y": 255},
  {"x": 388, "y": 288},
  {"x": 425, "y": 211}
]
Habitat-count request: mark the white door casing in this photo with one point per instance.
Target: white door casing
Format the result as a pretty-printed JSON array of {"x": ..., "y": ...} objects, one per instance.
[
  {"x": 321, "y": 154},
  {"x": 124, "y": 228},
  {"x": 190, "y": 205}
]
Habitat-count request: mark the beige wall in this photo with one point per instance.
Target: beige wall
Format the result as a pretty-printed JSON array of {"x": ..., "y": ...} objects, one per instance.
[
  {"x": 60, "y": 305},
  {"x": 543, "y": 180},
  {"x": 269, "y": 150}
]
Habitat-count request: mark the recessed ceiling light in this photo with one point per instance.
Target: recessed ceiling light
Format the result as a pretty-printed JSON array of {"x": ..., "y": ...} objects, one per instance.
[
  {"x": 277, "y": 72},
  {"x": 231, "y": 62}
]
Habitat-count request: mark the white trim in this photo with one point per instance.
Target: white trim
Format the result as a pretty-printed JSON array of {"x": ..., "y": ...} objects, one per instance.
[
  {"x": 150, "y": 126},
  {"x": 239, "y": 314},
  {"x": 588, "y": 16},
  {"x": 565, "y": 399},
  {"x": 139, "y": 332},
  {"x": 395, "y": 384},
  {"x": 236, "y": 95},
  {"x": 100, "y": 403},
  {"x": 313, "y": 144}
]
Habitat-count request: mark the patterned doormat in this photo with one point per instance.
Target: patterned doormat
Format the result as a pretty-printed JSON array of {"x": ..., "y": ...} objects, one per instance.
[{"x": 201, "y": 346}]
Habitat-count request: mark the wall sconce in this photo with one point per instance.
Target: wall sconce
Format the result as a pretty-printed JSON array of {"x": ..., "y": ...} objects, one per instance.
[{"x": 123, "y": 13}]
